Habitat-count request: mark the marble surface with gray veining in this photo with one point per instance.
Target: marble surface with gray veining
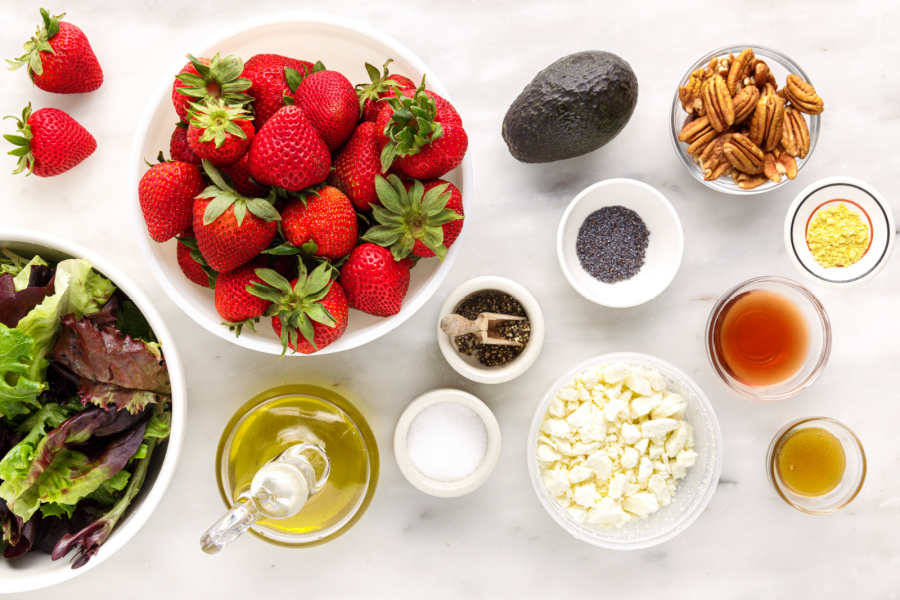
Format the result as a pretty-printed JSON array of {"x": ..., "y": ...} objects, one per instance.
[{"x": 498, "y": 542}]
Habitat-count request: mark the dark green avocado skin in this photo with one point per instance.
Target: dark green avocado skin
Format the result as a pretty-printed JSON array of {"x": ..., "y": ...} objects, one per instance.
[{"x": 574, "y": 106}]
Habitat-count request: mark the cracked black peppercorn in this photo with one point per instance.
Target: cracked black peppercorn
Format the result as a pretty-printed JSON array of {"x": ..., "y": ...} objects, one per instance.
[{"x": 495, "y": 301}]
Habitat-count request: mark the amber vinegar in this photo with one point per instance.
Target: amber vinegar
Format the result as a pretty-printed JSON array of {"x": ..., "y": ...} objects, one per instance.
[{"x": 811, "y": 461}]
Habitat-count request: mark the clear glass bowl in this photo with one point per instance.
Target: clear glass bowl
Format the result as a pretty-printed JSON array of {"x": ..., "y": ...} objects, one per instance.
[
  {"x": 781, "y": 66},
  {"x": 854, "y": 470},
  {"x": 694, "y": 491},
  {"x": 818, "y": 350}
]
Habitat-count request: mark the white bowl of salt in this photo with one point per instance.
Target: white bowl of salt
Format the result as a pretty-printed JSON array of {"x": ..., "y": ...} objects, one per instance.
[{"x": 447, "y": 443}]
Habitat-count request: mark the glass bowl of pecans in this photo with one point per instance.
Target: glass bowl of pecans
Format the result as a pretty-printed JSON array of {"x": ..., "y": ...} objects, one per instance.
[{"x": 745, "y": 119}]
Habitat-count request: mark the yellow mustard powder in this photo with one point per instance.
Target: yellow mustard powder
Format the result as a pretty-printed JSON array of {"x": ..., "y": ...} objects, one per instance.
[{"x": 837, "y": 236}]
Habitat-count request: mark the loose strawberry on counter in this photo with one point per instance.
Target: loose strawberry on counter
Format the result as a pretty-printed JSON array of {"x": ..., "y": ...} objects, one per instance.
[
  {"x": 49, "y": 142},
  {"x": 324, "y": 217},
  {"x": 374, "y": 282},
  {"x": 308, "y": 313},
  {"x": 357, "y": 165},
  {"x": 422, "y": 135},
  {"x": 219, "y": 133},
  {"x": 231, "y": 229},
  {"x": 288, "y": 152},
  {"x": 204, "y": 78},
  {"x": 60, "y": 58},
  {"x": 166, "y": 193},
  {"x": 329, "y": 102},
  {"x": 382, "y": 85},
  {"x": 268, "y": 75}
]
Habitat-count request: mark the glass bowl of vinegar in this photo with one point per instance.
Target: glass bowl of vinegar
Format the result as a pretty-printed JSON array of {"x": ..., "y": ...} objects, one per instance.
[{"x": 768, "y": 338}]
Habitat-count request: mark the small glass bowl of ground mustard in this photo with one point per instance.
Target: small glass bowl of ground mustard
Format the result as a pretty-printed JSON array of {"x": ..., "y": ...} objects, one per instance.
[
  {"x": 839, "y": 232},
  {"x": 490, "y": 363},
  {"x": 816, "y": 464}
]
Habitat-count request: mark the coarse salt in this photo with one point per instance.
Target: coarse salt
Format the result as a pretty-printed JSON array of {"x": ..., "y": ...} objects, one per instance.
[{"x": 447, "y": 441}]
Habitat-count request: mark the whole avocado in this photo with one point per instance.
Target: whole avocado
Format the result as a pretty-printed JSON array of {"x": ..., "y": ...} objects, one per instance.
[{"x": 574, "y": 106}]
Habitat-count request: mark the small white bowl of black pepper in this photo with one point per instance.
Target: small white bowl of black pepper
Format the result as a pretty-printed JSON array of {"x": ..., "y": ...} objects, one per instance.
[
  {"x": 620, "y": 243},
  {"x": 489, "y": 362}
]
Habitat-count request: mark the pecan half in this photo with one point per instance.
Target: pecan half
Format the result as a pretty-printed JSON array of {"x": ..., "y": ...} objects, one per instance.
[
  {"x": 803, "y": 96},
  {"x": 739, "y": 70},
  {"x": 795, "y": 135},
  {"x": 744, "y": 155},
  {"x": 766, "y": 125},
  {"x": 747, "y": 182},
  {"x": 712, "y": 160},
  {"x": 697, "y": 133},
  {"x": 760, "y": 73},
  {"x": 745, "y": 103},
  {"x": 689, "y": 94},
  {"x": 718, "y": 104},
  {"x": 778, "y": 163}
]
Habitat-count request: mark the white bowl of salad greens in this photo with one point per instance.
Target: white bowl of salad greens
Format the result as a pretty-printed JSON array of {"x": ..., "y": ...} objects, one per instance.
[{"x": 92, "y": 409}]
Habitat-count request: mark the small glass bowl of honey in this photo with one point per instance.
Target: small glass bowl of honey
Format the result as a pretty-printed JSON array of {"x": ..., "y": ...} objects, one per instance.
[
  {"x": 768, "y": 338},
  {"x": 816, "y": 464}
]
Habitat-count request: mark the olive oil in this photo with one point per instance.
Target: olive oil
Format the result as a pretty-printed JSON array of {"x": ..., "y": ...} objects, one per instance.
[
  {"x": 763, "y": 338},
  {"x": 811, "y": 461},
  {"x": 292, "y": 415}
]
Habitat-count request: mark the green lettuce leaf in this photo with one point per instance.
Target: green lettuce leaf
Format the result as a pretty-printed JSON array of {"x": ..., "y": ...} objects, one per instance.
[
  {"x": 11, "y": 263},
  {"x": 58, "y": 510},
  {"x": 14, "y": 465},
  {"x": 89, "y": 290},
  {"x": 19, "y": 383},
  {"x": 108, "y": 493}
]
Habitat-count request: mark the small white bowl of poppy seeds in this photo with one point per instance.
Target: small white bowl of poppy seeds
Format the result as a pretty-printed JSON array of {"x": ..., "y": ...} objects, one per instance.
[{"x": 620, "y": 243}]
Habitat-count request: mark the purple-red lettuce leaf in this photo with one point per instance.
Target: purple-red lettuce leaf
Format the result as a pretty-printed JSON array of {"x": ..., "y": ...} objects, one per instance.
[
  {"x": 111, "y": 397},
  {"x": 24, "y": 538},
  {"x": 87, "y": 542},
  {"x": 68, "y": 464},
  {"x": 61, "y": 384}
]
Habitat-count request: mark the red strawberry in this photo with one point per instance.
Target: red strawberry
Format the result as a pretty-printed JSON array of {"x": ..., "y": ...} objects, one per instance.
[
  {"x": 234, "y": 302},
  {"x": 415, "y": 218},
  {"x": 421, "y": 147},
  {"x": 329, "y": 102},
  {"x": 357, "y": 165},
  {"x": 230, "y": 228},
  {"x": 60, "y": 58},
  {"x": 374, "y": 282},
  {"x": 166, "y": 193},
  {"x": 382, "y": 85},
  {"x": 266, "y": 73},
  {"x": 240, "y": 174},
  {"x": 49, "y": 142},
  {"x": 203, "y": 78},
  {"x": 219, "y": 133},
  {"x": 308, "y": 313},
  {"x": 288, "y": 152},
  {"x": 179, "y": 147},
  {"x": 192, "y": 263},
  {"x": 328, "y": 220}
]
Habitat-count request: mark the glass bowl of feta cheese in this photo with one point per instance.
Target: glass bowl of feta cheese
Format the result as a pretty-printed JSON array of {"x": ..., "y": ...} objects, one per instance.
[{"x": 624, "y": 451}]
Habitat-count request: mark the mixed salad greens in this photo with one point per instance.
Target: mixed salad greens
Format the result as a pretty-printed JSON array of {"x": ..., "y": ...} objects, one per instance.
[{"x": 84, "y": 400}]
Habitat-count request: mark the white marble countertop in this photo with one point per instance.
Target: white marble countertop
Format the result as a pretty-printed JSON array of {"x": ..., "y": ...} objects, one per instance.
[{"x": 498, "y": 542}]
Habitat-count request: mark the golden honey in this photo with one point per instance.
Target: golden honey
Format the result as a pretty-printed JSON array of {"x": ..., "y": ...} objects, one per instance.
[{"x": 810, "y": 461}]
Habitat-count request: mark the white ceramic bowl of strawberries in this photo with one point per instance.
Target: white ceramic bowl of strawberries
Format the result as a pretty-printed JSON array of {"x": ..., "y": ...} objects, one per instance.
[{"x": 341, "y": 45}]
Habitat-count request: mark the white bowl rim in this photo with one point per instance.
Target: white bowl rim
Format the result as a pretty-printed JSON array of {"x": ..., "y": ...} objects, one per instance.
[
  {"x": 124, "y": 531},
  {"x": 637, "y": 358},
  {"x": 566, "y": 268},
  {"x": 829, "y": 182},
  {"x": 447, "y": 489},
  {"x": 273, "y": 346},
  {"x": 522, "y": 362}
]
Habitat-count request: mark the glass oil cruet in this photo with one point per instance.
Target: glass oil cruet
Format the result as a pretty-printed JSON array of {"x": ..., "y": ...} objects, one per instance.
[{"x": 297, "y": 465}]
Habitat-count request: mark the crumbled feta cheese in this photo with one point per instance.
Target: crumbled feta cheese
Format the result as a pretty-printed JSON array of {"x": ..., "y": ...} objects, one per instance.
[
  {"x": 672, "y": 404},
  {"x": 546, "y": 453},
  {"x": 657, "y": 429},
  {"x": 641, "y": 504},
  {"x": 630, "y": 457},
  {"x": 586, "y": 495},
  {"x": 630, "y": 434}
]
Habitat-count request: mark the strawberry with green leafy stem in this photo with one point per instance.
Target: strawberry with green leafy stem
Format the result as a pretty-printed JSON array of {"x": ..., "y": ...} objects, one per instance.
[
  {"x": 271, "y": 76},
  {"x": 329, "y": 102},
  {"x": 233, "y": 300},
  {"x": 324, "y": 217},
  {"x": 308, "y": 313},
  {"x": 191, "y": 261},
  {"x": 204, "y": 78},
  {"x": 220, "y": 133},
  {"x": 422, "y": 135},
  {"x": 60, "y": 58},
  {"x": 356, "y": 166},
  {"x": 49, "y": 142},
  {"x": 381, "y": 85},
  {"x": 243, "y": 181},
  {"x": 230, "y": 228},
  {"x": 166, "y": 193},
  {"x": 374, "y": 282},
  {"x": 413, "y": 220},
  {"x": 288, "y": 152}
]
